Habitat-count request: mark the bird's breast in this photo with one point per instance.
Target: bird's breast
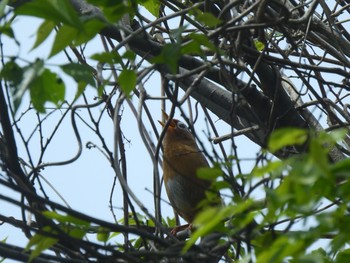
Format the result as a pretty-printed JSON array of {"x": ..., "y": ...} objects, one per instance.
[{"x": 179, "y": 195}]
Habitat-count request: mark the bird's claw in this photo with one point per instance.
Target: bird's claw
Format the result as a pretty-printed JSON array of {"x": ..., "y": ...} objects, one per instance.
[{"x": 178, "y": 229}]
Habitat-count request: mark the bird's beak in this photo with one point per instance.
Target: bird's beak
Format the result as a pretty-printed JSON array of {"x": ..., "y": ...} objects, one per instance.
[
  {"x": 165, "y": 115},
  {"x": 161, "y": 123},
  {"x": 166, "y": 118}
]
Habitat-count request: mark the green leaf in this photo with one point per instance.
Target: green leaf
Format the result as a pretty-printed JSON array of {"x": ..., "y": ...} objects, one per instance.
[
  {"x": 280, "y": 249},
  {"x": 43, "y": 32},
  {"x": 75, "y": 231},
  {"x": 103, "y": 234},
  {"x": 286, "y": 137},
  {"x": 29, "y": 75},
  {"x": 40, "y": 242},
  {"x": 341, "y": 168},
  {"x": 12, "y": 72},
  {"x": 6, "y": 29},
  {"x": 114, "y": 234},
  {"x": 319, "y": 154},
  {"x": 130, "y": 55},
  {"x": 259, "y": 45},
  {"x": 152, "y": 6},
  {"x": 170, "y": 222},
  {"x": 212, "y": 219},
  {"x": 90, "y": 29},
  {"x": 138, "y": 243},
  {"x": 220, "y": 185},
  {"x": 170, "y": 56},
  {"x": 68, "y": 35},
  {"x": 209, "y": 173},
  {"x": 71, "y": 30},
  {"x": 3, "y": 5},
  {"x": 100, "y": 90},
  {"x": 208, "y": 19},
  {"x": 196, "y": 44},
  {"x": 113, "y": 10},
  {"x": 127, "y": 81},
  {"x": 338, "y": 134},
  {"x": 72, "y": 226},
  {"x": 107, "y": 57},
  {"x": 58, "y": 11},
  {"x": 316, "y": 256},
  {"x": 271, "y": 167},
  {"x": 80, "y": 90},
  {"x": 47, "y": 87},
  {"x": 65, "y": 218},
  {"x": 192, "y": 47},
  {"x": 203, "y": 40},
  {"x": 343, "y": 256},
  {"x": 64, "y": 37},
  {"x": 339, "y": 242},
  {"x": 3, "y": 241},
  {"x": 80, "y": 73},
  {"x": 206, "y": 222}
]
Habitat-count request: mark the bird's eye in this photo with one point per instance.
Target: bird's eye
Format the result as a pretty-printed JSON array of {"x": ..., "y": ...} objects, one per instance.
[{"x": 181, "y": 125}]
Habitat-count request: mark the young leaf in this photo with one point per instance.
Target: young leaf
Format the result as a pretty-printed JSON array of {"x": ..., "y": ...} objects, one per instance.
[
  {"x": 280, "y": 249},
  {"x": 341, "y": 168},
  {"x": 90, "y": 29},
  {"x": 170, "y": 56},
  {"x": 65, "y": 37},
  {"x": 203, "y": 40},
  {"x": 113, "y": 10},
  {"x": 40, "y": 242},
  {"x": 208, "y": 220},
  {"x": 107, "y": 57},
  {"x": 58, "y": 11},
  {"x": 12, "y": 72},
  {"x": 152, "y": 6},
  {"x": 47, "y": 87},
  {"x": 65, "y": 218},
  {"x": 209, "y": 173},
  {"x": 196, "y": 45},
  {"x": 69, "y": 35},
  {"x": 43, "y": 32},
  {"x": 29, "y": 75},
  {"x": 6, "y": 29},
  {"x": 286, "y": 137},
  {"x": 80, "y": 73},
  {"x": 127, "y": 81},
  {"x": 212, "y": 219},
  {"x": 319, "y": 154},
  {"x": 273, "y": 167},
  {"x": 343, "y": 256},
  {"x": 3, "y": 5},
  {"x": 208, "y": 19},
  {"x": 259, "y": 45},
  {"x": 103, "y": 234}
]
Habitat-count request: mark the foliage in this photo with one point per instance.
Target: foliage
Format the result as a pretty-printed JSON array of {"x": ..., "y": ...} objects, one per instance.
[{"x": 276, "y": 74}]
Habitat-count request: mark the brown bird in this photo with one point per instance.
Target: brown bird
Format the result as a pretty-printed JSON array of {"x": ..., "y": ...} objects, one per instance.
[{"x": 181, "y": 161}]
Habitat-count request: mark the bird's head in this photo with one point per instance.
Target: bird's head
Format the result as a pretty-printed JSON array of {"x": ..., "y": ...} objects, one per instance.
[{"x": 176, "y": 130}]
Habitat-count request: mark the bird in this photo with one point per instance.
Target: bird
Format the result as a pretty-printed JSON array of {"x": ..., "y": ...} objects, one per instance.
[{"x": 181, "y": 160}]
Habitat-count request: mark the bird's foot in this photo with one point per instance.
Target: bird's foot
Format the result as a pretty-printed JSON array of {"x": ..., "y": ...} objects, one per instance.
[{"x": 177, "y": 229}]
